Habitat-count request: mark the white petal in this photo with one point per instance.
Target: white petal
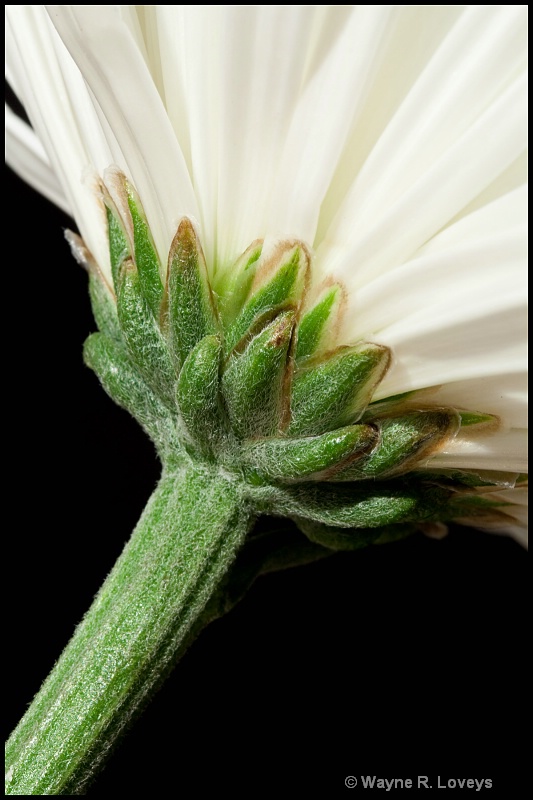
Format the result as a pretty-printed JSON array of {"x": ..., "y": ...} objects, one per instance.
[
  {"x": 461, "y": 125},
  {"x": 504, "y": 451},
  {"x": 396, "y": 232},
  {"x": 513, "y": 517},
  {"x": 26, "y": 156},
  {"x": 114, "y": 68},
  {"x": 232, "y": 107},
  {"x": 457, "y": 344},
  {"x": 504, "y": 395},
  {"x": 62, "y": 115},
  {"x": 142, "y": 21},
  {"x": 456, "y": 266},
  {"x": 457, "y": 312},
  {"x": 350, "y": 42},
  {"x": 416, "y": 34}
]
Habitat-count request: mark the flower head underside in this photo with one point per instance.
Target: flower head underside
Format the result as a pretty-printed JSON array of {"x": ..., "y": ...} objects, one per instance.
[{"x": 389, "y": 141}]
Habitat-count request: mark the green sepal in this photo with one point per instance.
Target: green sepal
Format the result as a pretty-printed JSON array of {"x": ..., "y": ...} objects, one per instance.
[
  {"x": 361, "y": 505},
  {"x": 317, "y": 322},
  {"x": 486, "y": 511},
  {"x": 474, "y": 479},
  {"x": 310, "y": 458},
  {"x": 198, "y": 393},
  {"x": 124, "y": 385},
  {"x": 334, "y": 392},
  {"x": 191, "y": 308},
  {"x": 146, "y": 345},
  {"x": 104, "y": 307},
  {"x": 343, "y": 538},
  {"x": 146, "y": 258},
  {"x": 254, "y": 382},
  {"x": 469, "y": 418},
  {"x": 403, "y": 440},
  {"x": 466, "y": 505},
  {"x": 119, "y": 249},
  {"x": 279, "y": 284},
  {"x": 395, "y": 404},
  {"x": 234, "y": 285}
]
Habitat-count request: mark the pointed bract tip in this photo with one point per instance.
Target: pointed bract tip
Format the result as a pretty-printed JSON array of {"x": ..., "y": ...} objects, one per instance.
[
  {"x": 281, "y": 329},
  {"x": 115, "y": 197},
  {"x": 383, "y": 357},
  {"x": 185, "y": 240},
  {"x": 186, "y": 228},
  {"x": 127, "y": 267},
  {"x": 469, "y": 418},
  {"x": 80, "y": 251},
  {"x": 116, "y": 187},
  {"x": 379, "y": 354},
  {"x": 276, "y": 255}
]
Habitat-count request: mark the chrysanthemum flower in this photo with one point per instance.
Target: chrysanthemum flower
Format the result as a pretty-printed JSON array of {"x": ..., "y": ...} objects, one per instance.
[
  {"x": 390, "y": 140},
  {"x": 385, "y": 144}
]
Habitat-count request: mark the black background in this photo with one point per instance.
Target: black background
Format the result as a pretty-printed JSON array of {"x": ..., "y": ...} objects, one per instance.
[{"x": 403, "y": 660}]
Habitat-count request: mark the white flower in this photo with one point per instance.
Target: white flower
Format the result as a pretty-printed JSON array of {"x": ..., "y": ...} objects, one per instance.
[{"x": 391, "y": 139}]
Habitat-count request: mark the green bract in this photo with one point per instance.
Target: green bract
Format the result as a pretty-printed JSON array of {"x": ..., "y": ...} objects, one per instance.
[{"x": 243, "y": 377}]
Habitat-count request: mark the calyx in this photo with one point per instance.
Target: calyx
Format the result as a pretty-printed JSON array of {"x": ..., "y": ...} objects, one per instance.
[{"x": 245, "y": 378}]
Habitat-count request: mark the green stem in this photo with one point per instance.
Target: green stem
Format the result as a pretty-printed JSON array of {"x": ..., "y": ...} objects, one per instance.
[{"x": 184, "y": 543}]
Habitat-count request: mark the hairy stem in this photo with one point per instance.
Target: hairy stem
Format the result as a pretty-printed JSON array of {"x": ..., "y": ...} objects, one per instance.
[{"x": 184, "y": 543}]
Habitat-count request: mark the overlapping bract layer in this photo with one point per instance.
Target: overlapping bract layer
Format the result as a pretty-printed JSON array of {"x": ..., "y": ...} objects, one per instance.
[{"x": 248, "y": 380}]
